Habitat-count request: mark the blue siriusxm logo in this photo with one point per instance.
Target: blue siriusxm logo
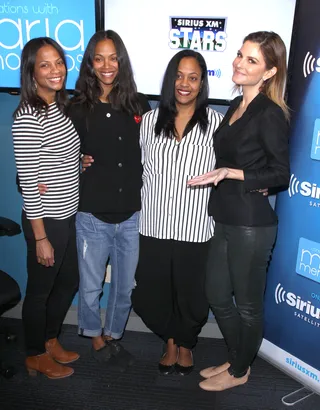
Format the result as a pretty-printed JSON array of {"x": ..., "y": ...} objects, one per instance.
[
  {"x": 315, "y": 148},
  {"x": 214, "y": 73},
  {"x": 308, "y": 259}
]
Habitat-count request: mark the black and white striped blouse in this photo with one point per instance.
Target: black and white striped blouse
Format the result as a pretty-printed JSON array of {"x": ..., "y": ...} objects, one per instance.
[
  {"x": 171, "y": 209},
  {"x": 46, "y": 148}
]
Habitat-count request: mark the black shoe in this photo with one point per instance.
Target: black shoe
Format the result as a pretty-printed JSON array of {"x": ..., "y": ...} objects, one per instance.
[
  {"x": 184, "y": 370},
  {"x": 102, "y": 355},
  {"x": 120, "y": 353},
  {"x": 166, "y": 369},
  {"x": 105, "y": 356}
]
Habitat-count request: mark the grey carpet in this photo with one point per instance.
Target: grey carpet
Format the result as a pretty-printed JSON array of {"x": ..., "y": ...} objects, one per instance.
[{"x": 95, "y": 387}]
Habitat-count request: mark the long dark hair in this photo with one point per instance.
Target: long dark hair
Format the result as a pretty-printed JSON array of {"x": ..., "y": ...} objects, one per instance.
[
  {"x": 167, "y": 106},
  {"x": 123, "y": 95},
  {"x": 29, "y": 94}
]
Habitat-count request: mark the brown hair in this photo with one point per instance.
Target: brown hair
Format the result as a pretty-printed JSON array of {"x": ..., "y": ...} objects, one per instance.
[{"x": 274, "y": 52}]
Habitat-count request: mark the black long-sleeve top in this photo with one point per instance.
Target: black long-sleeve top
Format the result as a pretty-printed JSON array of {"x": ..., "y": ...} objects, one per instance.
[
  {"x": 257, "y": 143},
  {"x": 110, "y": 187}
]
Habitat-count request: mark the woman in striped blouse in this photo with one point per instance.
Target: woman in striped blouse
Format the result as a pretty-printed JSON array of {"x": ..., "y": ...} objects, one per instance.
[
  {"x": 46, "y": 148},
  {"x": 176, "y": 141}
]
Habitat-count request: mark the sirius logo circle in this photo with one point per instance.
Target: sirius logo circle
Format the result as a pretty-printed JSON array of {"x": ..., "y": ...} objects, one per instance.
[
  {"x": 293, "y": 186},
  {"x": 296, "y": 302},
  {"x": 304, "y": 188},
  {"x": 308, "y": 64},
  {"x": 279, "y": 294}
]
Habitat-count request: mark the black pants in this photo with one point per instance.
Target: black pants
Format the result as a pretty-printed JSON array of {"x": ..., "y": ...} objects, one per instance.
[
  {"x": 237, "y": 265},
  {"x": 169, "y": 296},
  {"x": 49, "y": 290}
]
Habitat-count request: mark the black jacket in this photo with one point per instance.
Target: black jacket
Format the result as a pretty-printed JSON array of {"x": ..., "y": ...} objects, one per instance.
[
  {"x": 257, "y": 143},
  {"x": 112, "y": 184}
]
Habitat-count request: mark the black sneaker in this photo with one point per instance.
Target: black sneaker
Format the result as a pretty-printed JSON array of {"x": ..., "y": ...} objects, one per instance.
[
  {"x": 106, "y": 357},
  {"x": 102, "y": 355},
  {"x": 120, "y": 353}
]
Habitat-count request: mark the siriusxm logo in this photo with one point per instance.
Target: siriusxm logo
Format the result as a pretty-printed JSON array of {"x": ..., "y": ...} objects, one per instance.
[
  {"x": 315, "y": 147},
  {"x": 198, "y": 33},
  {"x": 304, "y": 188},
  {"x": 292, "y": 300},
  {"x": 308, "y": 259},
  {"x": 308, "y": 64},
  {"x": 214, "y": 73}
]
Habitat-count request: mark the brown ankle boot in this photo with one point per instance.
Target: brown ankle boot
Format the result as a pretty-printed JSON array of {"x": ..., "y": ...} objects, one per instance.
[
  {"x": 54, "y": 348},
  {"x": 45, "y": 364}
]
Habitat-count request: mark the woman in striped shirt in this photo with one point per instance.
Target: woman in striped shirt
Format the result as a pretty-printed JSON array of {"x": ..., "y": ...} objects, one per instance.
[
  {"x": 46, "y": 148},
  {"x": 176, "y": 141}
]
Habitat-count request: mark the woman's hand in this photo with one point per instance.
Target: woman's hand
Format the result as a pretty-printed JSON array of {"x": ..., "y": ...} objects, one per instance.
[
  {"x": 42, "y": 188},
  {"x": 264, "y": 191},
  {"x": 212, "y": 177},
  {"x": 86, "y": 162},
  {"x": 45, "y": 252}
]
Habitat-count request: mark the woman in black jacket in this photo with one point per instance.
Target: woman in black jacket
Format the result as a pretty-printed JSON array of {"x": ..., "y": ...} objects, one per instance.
[
  {"x": 252, "y": 153},
  {"x": 107, "y": 114}
]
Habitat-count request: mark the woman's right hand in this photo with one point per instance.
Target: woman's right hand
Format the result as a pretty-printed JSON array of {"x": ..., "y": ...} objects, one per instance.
[
  {"x": 42, "y": 188},
  {"x": 45, "y": 252},
  {"x": 86, "y": 162}
]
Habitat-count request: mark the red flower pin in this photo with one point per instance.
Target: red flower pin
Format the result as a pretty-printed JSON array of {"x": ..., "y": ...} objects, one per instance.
[{"x": 137, "y": 118}]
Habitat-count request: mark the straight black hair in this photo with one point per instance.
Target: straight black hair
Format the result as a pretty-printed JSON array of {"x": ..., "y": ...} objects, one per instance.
[
  {"x": 123, "y": 95},
  {"x": 167, "y": 106},
  {"x": 28, "y": 89}
]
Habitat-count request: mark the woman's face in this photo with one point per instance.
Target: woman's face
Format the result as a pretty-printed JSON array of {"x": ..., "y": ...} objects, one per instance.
[
  {"x": 105, "y": 63},
  {"x": 249, "y": 67},
  {"x": 49, "y": 72},
  {"x": 188, "y": 81}
]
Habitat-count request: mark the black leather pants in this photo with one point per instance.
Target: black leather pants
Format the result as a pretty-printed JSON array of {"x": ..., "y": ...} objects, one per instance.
[{"x": 235, "y": 284}]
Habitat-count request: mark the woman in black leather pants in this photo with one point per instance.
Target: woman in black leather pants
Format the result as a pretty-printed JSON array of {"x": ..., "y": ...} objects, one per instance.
[{"x": 252, "y": 153}]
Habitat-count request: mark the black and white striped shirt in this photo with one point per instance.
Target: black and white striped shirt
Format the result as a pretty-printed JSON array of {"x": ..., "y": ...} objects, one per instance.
[
  {"x": 46, "y": 148},
  {"x": 171, "y": 209}
]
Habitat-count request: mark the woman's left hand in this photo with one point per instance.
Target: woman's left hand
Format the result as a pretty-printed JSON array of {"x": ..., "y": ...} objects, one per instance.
[{"x": 212, "y": 177}]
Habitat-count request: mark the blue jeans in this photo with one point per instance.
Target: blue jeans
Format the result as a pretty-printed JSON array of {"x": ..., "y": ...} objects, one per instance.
[{"x": 96, "y": 242}]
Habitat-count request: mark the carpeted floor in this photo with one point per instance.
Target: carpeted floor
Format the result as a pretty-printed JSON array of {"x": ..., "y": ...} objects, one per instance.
[{"x": 94, "y": 387}]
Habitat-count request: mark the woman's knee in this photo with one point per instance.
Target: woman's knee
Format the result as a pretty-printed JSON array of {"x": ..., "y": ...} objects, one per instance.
[{"x": 251, "y": 313}]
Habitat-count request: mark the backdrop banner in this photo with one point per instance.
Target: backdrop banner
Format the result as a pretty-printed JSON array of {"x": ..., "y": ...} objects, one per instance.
[{"x": 292, "y": 302}]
